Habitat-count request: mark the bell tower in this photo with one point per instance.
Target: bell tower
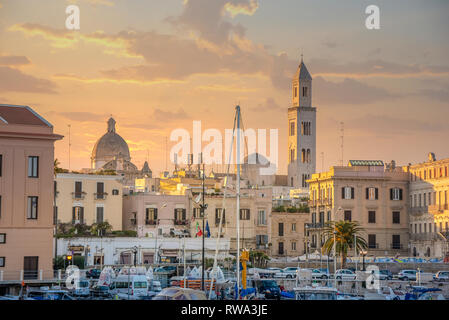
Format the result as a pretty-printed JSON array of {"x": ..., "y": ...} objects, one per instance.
[{"x": 301, "y": 130}]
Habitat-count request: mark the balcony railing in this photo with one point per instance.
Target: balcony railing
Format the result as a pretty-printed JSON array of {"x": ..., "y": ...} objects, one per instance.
[
  {"x": 373, "y": 246},
  {"x": 78, "y": 221},
  {"x": 396, "y": 246},
  {"x": 100, "y": 196},
  {"x": 217, "y": 222},
  {"x": 78, "y": 195},
  {"x": 438, "y": 208},
  {"x": 150, "y": 222},
  {"x": 417, "y": 210},
  {"x": 424, "y": 236},
  {"x": 314, "y": 225},
  {"x": 181, "y": 222}
]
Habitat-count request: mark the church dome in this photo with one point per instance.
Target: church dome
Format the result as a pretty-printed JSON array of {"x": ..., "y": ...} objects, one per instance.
[{"x": 110, "y": 146}]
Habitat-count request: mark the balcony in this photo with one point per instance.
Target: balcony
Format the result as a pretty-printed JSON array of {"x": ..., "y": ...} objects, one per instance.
[
  {"x": 181, "y": 222},
  {"x": 418, "y": 210},
  {"x": 100, "y": 196},
  {"x": 424, "y": 236},
  {"x": 150, "y": 222},
  {"x": 311, "y": 226},
  {"x": 438, "y": 208},
  {"x": 373, "y": 246},
  {"x": 80, "y": 221},
  {"x": 78, "y": 195},
  {"x": 217, "y": 222},
  {"x": 396, "y": 246}
]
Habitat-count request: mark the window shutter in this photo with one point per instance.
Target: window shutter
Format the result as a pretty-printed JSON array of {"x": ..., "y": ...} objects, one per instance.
[
  {"x": 184, "y": 214},
  {"x": 377, "y": 193},
  {"x": 367, "y": 193},
  {"x": 155, "y": 214},
  {"x": 352, "y": 193},
  {"x": 73, "y": 214},
  {"x": 343, "y": 192},
  {"x": 249, "y": 214},
  {"x": 82, "y": 215},
  {"x": 391, "y": 194},
  {"x": 176, "y": 218},
  {"x": 400, "y": 194}
]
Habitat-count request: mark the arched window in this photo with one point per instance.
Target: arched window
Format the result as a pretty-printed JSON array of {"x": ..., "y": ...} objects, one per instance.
[
  {"x": 291, "y": 181},
  {"x": 303, "y": 155},
  {"x": 414, "y": 251},
  {"x": 308, "y": 156}
]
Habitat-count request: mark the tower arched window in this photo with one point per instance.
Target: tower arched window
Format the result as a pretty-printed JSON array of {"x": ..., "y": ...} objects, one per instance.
[
  {"x": 308, "y": 156},
  {"x": 303, "y": 155}
]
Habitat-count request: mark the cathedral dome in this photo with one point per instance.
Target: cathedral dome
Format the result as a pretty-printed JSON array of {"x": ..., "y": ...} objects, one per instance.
[{"x": 110, "y": 146}]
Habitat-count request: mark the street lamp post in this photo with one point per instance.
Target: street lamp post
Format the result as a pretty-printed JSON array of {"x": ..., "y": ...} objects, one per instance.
[{"x": 363, "y": 253}]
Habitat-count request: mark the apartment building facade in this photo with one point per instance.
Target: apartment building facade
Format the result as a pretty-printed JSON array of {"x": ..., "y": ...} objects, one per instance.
[
  {"x": 26, "y": 194},
  {"x": 429, "y": 212},
  {"x": 89, "y": 199},
  {"x": 287, "y": 234},
  {"x": 367, "y": 192},
  {"x": 255, "y": 223}
]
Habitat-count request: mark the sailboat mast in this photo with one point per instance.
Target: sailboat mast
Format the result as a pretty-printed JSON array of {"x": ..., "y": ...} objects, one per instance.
[{"x": 237, "y": 108}]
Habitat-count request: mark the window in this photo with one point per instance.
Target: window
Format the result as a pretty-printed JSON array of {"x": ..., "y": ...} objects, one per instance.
[
  {"x": 347, "y": 193},
  {"x": 151, "y": 215},
  {"x": 372, "y": 193},
  {"x": 2, "y": 237},
  {"x": 244, "y": 214},
  {"x": 303, "y": 155},
  {"x": 261, "y": 218},
  {"x": 100, "y": 190},
  {"x": 33, "y": 167},
  {"x": 313, "y": 217},
  {"x": 77, "y": 215},
  {"x": 281, "y": 229},
  {"x": 32, "y": 208},
  {"x": 197, "y": 212},
  {"x": 296, "y": 92},
  {"x": 371, "y": 216},
  {"x": 115, "y": 192},
  {"x": 347, "y": 215},
  {"x": 322, "y": 217},
  {"x": 78, "y": 189},
  {"x": 281, "y": 247},
  {"x": 261, "y": 239},
  {"x": 396, "y": 242},
  {"x": 304, "y": 91},
  {"x": 293, "y": 227},
  {"x": 180, "y": 215},
  {"x": 2, "y": 262},
  {"x": 100, "y": 214},
  {"x": 329, "y": 216},
  {"x": 294, "y": 246},
  {"x": 395, "y": 194},
  {"x": 218, "y": 213},
  {"x": 292, "y": 128},
  {"x": 292, "y": 155},
  {"x": 396, "y": 217},
  {"x": 372, "y": 241}
]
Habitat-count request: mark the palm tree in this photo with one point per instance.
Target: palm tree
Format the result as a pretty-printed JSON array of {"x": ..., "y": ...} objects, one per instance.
[{"x": 345, "y": 232}]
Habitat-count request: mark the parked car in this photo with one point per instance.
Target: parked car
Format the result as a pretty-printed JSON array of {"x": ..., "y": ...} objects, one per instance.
[
  {"x": 407, "y": 275},
  {"x": 93, "y": 273},
  {"x": 345, "y": 274},
  {"x": 101, "y": 292},
  {"x": 171, "y": 270},
  {"x": 319, "y": 274},
  {"x": 441, "y": 276},
  {"x": 387, "y": 275},
  {"x": 289, "y": 273},
  {"x": 175, "y": 293},
  {"x": 130, "y": 286}
]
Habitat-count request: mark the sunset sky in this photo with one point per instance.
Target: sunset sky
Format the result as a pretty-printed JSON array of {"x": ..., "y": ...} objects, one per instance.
[{"x": 158, "y": 65}]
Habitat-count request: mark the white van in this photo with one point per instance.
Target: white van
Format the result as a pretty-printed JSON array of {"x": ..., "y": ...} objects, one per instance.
[{"x": 132, "y": 286}]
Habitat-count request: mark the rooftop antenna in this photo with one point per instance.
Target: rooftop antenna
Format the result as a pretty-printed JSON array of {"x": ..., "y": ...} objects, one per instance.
[
  {"x": 70, "y": 145},
  {"x": 342, "y": 130},
  {"x": 166, "y": 148},
  {"x": 322, "y": 161}
]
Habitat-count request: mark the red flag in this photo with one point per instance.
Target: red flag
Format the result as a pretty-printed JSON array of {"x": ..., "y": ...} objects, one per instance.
[{"x": 199, "y": 233}]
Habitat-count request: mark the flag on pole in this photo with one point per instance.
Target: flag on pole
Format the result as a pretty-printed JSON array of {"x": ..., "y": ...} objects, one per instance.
[
  {"x": 199, "y": 233},
  {"x": 207, "y": 229}
]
